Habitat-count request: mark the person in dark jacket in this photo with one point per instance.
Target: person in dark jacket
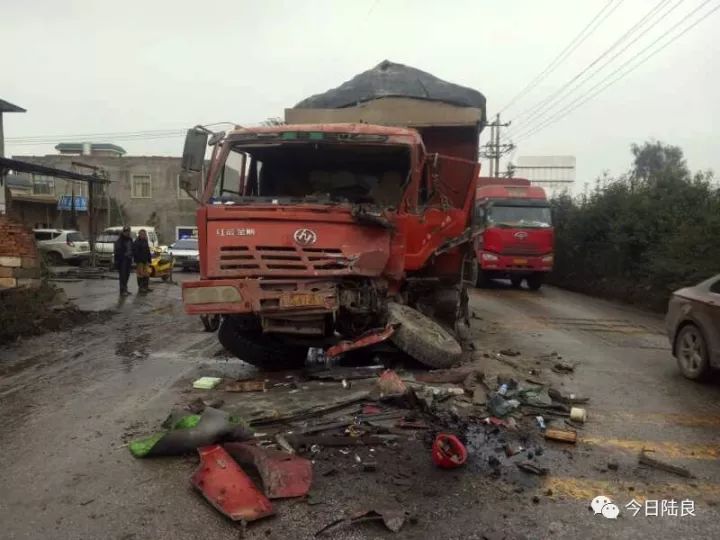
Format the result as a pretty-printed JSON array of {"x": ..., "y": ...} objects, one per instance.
[
  {"x": 142, "y": 256},
  {"x": 123, "y": 255}
]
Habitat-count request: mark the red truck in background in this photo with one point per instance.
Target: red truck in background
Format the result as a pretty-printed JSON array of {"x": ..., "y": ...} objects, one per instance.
[{"x": 517, "y": 238}]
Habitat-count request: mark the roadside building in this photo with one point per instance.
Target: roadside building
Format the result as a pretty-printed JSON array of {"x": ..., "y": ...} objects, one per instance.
[{"x": 143, "y": 190}]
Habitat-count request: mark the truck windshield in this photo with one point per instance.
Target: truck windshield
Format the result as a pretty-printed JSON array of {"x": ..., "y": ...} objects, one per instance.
[
  {"x": 338, "y": 172},
  {"x": 519, "y": 216}
]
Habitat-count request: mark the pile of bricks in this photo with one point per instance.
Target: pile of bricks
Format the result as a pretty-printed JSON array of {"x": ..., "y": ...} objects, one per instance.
[{"x": 19, "y": 259}]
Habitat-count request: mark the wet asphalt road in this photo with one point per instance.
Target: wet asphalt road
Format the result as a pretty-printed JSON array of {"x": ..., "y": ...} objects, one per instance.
[{"x": 71, "y": 401}]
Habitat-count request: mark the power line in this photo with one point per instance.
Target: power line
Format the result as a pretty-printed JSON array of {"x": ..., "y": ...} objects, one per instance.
[
  {"x": 567, "y": 51},
  {"x": 588, "y": 96},
  {"x": 551, "y": 101},
  {"x": 112, "y": 134}
]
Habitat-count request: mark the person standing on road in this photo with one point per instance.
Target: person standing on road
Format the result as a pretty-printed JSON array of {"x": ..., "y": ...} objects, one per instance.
[
  {"x": 123, "y": 254},
  {"x": 142, "y": 256}
]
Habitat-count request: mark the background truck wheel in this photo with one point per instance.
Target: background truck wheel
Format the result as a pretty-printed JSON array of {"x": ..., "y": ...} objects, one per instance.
[
  {"x": 260, "y": 350},
  {"x": 422, "y": 338},
  {"x": 516, "y": 282},
  {"x": 691, "y": 353},
  {"x": 534, "y": 281}
]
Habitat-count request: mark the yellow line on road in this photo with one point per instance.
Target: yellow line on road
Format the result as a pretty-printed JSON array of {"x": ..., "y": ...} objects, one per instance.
[
  {"x": 586, "y": 489},
  {"x": 670, "y": 449},
  {"x": 690, "y": 420}
]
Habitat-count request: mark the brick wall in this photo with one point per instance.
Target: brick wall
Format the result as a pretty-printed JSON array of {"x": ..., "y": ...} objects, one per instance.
[{"x": 19, "y": 259}]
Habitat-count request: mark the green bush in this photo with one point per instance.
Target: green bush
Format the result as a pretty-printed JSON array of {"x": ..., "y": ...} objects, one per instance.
[{"x": 642, "y": 235}]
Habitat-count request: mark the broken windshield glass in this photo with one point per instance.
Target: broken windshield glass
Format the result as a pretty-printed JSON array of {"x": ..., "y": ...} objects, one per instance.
[{"x": 372, "y": 174}]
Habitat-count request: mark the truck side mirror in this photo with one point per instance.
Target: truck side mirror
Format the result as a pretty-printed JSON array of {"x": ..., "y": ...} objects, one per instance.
[{"x": 193, "y": 157}]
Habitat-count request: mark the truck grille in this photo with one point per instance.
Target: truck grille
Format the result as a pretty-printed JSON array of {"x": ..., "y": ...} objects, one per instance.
[
  {"x": 518, "y": 248},
  {"x": 259, "y": 260}
]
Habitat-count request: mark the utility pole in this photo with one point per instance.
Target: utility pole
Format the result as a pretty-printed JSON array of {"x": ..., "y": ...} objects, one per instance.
[{"x": 493, "y": 150}]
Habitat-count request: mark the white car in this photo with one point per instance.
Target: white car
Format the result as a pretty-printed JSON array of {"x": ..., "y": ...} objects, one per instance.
[
  {"x": 105, "y": 242},
  {"x": 61, "y": 246},
  {"x": 186, "y": 254}
]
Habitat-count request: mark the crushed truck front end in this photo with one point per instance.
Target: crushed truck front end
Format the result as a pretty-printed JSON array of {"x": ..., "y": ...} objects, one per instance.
[{"x": 297, "y": 234}]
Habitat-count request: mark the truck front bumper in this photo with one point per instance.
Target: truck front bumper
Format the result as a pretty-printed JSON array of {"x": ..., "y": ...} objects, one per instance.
[
  {"x": 259, "y": 296},
  {"x": 515, "y": 264}
]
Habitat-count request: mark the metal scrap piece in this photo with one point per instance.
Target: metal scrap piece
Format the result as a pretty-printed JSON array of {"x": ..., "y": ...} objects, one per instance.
[
  {"x": 283, "y": 475},
  {"x": 226, "y": 486}
]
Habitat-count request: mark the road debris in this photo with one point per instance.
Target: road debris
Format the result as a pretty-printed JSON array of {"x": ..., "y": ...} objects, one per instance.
[
  {"x": 207, "y": 383},
  {"x": 392, "y": 519},
  {"x": 578, "y": 414},
  {"x": 389, "y": 384},
  {"x": 284, "y": 444},
  {"x": 191, "y": 432},
  {"x": 245, "y": 386},
  {"x": 283, "y": 475},
  {"x": 648, "y": 461},
  {"x": 561, "y": 435},
  {"x": 532, "y": 468},
  {"x": 226, "y": 486},
  {"x": 448, "y": 452},
  {"x": 563, "y": 367}
]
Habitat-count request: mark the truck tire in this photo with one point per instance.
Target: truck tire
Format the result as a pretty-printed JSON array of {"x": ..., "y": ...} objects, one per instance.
[
  {"x": 260, "y": 350},
  {"x": 534, "y": 281},
  {"x": 422, "y": 338}
]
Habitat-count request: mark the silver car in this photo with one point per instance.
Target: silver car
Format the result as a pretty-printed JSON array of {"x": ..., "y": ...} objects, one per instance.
[
  {"x": 186, "y": 254},
  {"x": 693, "y": 326},
  {"x": 60, "y": 246}
]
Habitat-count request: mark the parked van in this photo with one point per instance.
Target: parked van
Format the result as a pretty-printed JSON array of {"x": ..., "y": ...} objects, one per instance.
[{"x": 105, "y": 242}]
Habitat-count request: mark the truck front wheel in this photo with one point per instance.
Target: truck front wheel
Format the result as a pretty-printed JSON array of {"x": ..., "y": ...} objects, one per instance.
[
  {"x": 534, "y": 281},
  {"x": 261, "y": 350}
]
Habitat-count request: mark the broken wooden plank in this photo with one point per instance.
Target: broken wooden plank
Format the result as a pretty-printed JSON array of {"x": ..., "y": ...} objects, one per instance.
[
  {"x": 648, "y": 461},
  {"x": 561, "y": 435},
  {"x": 245, "y": 386}
]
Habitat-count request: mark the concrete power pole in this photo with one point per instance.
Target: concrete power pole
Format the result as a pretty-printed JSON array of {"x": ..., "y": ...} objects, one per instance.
[{"x": 493, "y": 150}]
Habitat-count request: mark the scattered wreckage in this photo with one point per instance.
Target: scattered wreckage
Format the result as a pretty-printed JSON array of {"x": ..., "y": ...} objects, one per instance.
[{"x": 261, "y": 440}]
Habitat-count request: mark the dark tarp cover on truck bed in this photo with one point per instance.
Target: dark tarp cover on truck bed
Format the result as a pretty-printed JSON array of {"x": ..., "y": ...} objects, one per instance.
[{"x": 389, "y": 79}]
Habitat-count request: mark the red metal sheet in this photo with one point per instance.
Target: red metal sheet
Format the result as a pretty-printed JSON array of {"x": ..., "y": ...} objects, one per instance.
[
  {"x": 226, "y": 486},
  {"x": 283, "y": 475},
  {"x": 364, "y": 341}
]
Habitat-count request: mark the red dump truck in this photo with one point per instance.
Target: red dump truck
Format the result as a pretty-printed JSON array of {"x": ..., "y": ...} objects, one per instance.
[
  {"x": 348, "y": 226},
  {"x": 517, "y": 238}
]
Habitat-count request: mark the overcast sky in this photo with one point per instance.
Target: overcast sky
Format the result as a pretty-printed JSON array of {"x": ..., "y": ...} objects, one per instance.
[{"x": 84, "y": 66}]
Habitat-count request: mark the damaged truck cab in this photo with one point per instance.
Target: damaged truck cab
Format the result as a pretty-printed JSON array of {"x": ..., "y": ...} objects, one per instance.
[{"x": 309, "y": 232}]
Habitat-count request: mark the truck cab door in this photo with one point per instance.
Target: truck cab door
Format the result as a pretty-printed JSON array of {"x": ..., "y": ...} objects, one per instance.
[{"x": 445, "y": 203}]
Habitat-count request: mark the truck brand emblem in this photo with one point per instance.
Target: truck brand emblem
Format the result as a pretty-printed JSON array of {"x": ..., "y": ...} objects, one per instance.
[
  {"x": 520, "y": 235},
  {"x": 305, "y": 237}
]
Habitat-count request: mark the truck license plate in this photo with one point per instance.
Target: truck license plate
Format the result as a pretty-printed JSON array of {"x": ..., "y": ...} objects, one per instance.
[
  {"x": 301, "y": 299},
  {"x": 520, "y": 261}
]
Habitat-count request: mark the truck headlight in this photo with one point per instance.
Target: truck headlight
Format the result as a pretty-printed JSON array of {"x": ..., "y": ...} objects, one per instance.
[
  {"x": 489, "y": 256},
  {"x": 547, "y": 259},
  {"x": 211, "y": 295}
]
